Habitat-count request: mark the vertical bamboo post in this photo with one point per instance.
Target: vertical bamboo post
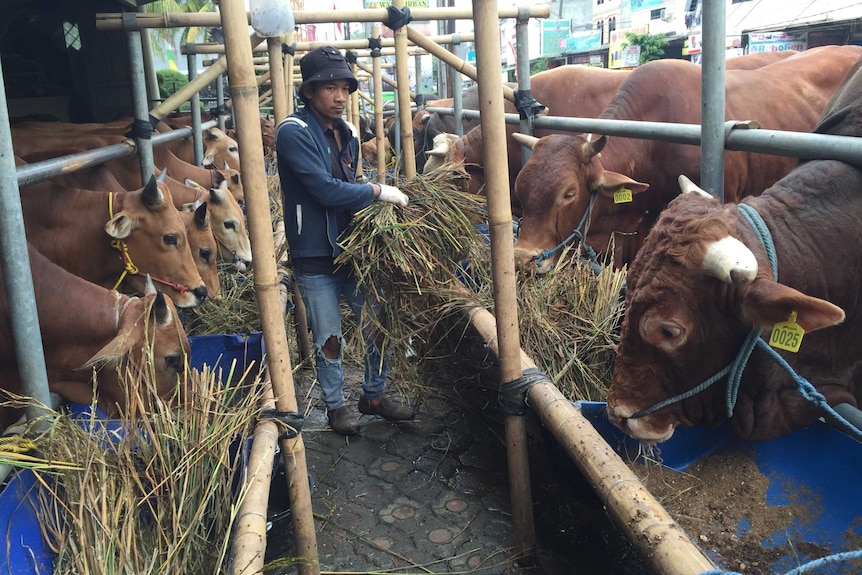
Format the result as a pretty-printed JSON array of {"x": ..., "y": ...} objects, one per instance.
[
  {"x": 488, "y": 64},
  {"x": 377, "y": 79},
  {"x": 282, "y": 73},
  {"x": 247, "y": 553},
  {"x": 288, "y": 72},
  {"x": 402, "y": 76}
]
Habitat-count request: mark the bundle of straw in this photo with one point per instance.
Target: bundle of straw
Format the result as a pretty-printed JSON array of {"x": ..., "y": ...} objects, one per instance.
[
  {"x": 150, "y": 492},
  {"x": 408, "y": 256}
]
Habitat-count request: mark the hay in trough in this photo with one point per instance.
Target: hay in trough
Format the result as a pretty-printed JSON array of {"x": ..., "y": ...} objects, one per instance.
[{"x": 151, "y": 491}]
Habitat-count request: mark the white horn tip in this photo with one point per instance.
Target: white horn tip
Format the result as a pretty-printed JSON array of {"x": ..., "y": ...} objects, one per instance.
[{"x": 730, "y": 261}]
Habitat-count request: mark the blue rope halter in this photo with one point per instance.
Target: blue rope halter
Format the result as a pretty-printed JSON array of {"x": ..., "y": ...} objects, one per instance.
[
  {"x": 575, "y": 235},
  {"x": 735, "y": 368}
]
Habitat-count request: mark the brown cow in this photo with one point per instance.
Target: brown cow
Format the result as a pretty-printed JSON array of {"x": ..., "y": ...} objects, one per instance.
[
  {"x": 87, "y": 326},
  {"x": 203, "y": 245},
  {"x": 227, "y": 221},
  {"x": 571, "y": 91},
  {"x": 565, "y": 175},
  {"x": 703, "y": 281},
  {"x": 115, "y": 239}
]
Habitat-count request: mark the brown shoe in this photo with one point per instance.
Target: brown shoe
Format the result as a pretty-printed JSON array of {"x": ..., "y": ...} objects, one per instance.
[
  {"x": 343, "y": 421},
  {"x": 387, "y": 409}
]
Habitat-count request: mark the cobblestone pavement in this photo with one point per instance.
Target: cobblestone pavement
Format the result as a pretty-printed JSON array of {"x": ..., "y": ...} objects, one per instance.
[{"x": 428, "y": 496}]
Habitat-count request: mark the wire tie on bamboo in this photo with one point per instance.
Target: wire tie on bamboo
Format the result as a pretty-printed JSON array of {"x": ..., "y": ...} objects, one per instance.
[
  {"x": 611, "y": 488},
  {"x": 513, "y": 393},
  {"x": 289, "y": 420},
  {"x": 288, "y": 49}
]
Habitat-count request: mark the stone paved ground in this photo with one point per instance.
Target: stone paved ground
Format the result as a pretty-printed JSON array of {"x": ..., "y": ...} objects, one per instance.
[{"x": 431, "y": 496}]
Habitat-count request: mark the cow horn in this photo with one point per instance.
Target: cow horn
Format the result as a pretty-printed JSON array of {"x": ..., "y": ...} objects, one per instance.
[
  {"x": 686, "y": 186},
  {"x": 163, "y": 176},
  {"x": 218, "y": 195},
  {"x": 525, "y": 140},
  {"x": 201, "y": 219},
  {"x": 152, "y": 195},
  {"x": 730, "y": 261},
  {"x": 594, "y": 147},
  {"x": 226, "y": 165},
  {"x": 150, "y": 287},
  {"x": 424, "y": 119},
  {"x": 160, "y": 310}
]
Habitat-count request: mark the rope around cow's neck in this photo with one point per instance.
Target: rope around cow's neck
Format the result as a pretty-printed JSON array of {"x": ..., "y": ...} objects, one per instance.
[
  {"x": 575, "y": 235},
  {"x": 735, "y": 368},
  {"x": 128, "y": 266}
]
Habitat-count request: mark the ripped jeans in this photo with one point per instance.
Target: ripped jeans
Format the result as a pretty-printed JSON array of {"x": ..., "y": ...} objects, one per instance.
[{"x": 322, "y": 294}]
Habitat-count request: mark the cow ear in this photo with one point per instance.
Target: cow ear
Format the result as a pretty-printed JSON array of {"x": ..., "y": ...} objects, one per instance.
[
  {"x": 768, "y": 302},
  {"x": 193, "y": 184},
  {"x": 128, "y": 336},
  {"x": 209, "y": 160},
  {"x": 120, "y": 226},
  {"x": 188, "y": 208},
  {"x": 611, "y": 182}
]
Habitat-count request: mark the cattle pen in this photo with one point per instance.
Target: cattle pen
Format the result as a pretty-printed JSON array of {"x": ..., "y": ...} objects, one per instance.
[{"x": 645, "y": 522}]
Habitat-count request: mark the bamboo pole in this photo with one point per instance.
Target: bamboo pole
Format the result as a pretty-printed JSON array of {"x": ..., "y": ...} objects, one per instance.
[
  {"x": 246, "y": 552},
  {"x": 114, "y": 20},
  {"x": 288, "y": 83},
  {"x": 402, "y": 74},
  {"x": 503, "y": 262},
  {"x": 377, "y": 75},
  {"x": 643, "y": 520},
  {"x": 281, "y": 110},
  {"x": 456, "y": 63}
]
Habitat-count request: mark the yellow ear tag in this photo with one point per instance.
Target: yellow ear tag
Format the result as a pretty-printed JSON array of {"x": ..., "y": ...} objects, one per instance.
[
  {"x": 787, "y": 335},
  {"x": 622, "y": 196}
]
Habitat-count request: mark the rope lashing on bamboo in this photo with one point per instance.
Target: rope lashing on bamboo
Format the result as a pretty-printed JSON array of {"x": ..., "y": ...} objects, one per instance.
[
  {"x": 351, "y": 57},
  {"x": 288, "y": 49},
  {"x": 528, "y": 107},
  {"x": 513, "y": 394},
  {"x": 142, "y": 129},
  {"x": 807, "y": 567},
  {"x": 220, "y": 110},
  {"x": 375, "y": 45},
  {"x": 291, "y": 421},
  {"x": 397, "y": 19}
]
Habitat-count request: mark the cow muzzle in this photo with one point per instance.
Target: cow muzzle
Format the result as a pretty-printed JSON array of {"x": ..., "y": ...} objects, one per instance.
[{"x": 643, "y": 429}]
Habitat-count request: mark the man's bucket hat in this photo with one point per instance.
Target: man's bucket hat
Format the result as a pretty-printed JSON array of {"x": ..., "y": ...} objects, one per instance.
[{"x": 325, "y": 63}]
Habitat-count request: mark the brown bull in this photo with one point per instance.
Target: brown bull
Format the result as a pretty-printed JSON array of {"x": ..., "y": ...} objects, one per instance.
[
  {"x": 115, "y": 239},
  {"x": 566, "y": 176},
  {"x": 704, "y": 282},
  {"x": 86, "y": 327}
]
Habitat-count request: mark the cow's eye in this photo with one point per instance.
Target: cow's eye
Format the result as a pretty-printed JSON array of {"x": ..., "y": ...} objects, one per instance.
[
  {"x": 230, "y": 225},
  {"x": 205, "y": 254},
  {"x": 233, "y": 149},
  {"x": 670, "y": 332},
  {"x": 170, "y": 240},
  {"x": 174, "y": 362},
  {"x": 570, "y": 194}
]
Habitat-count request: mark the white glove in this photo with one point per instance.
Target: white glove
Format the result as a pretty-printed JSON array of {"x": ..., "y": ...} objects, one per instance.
[{"x": 392, "y": 195}]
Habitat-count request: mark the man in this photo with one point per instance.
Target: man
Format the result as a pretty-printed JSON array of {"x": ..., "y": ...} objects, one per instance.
[{"x": 317, "y": 155}]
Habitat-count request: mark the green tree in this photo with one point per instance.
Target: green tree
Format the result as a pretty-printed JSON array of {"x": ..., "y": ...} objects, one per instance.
[
  {"x": 652, "y": 47},
  {"x": 164, "y": 38}
]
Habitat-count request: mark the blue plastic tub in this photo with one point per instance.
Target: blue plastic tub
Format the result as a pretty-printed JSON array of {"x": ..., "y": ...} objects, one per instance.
[
  {"x": 230, "y": 353},
  {"x": 818, "y": 467}
]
